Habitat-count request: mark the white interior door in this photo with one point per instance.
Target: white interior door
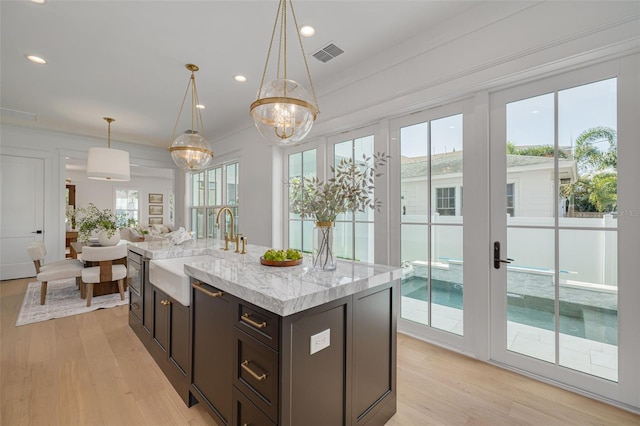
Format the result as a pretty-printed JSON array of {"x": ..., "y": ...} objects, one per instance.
[
  {"x": 22, "y": 217},
  {"x": 554, "y": 229}
]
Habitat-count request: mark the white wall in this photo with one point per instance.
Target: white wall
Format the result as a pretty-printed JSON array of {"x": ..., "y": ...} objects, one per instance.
[
  {"x": 102, "y": 193},
  {"x": 54, "y": 147},
  {"x": 443, "y": 64}
]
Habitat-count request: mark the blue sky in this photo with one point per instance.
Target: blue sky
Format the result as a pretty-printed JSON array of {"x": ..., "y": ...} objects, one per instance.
[{"x": 530, "y": 121}]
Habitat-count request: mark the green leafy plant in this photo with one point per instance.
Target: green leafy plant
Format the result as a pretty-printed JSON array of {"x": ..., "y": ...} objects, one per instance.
[
  {"x": 350, "y": 189},
  {"x": 91, "y": 218}
]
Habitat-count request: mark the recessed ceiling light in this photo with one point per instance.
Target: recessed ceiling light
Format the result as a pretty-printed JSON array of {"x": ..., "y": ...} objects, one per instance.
[
  {"x": 200, "y": 106},
  {"x": 240, "y": 78},
  {"x": 307, "y": 31},
  {"x": 38, "y": 1},
  {"x": 36, "y": 59}
]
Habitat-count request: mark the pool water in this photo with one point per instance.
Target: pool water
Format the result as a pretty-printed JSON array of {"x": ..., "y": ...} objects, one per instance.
[{"x": 589, "y": 322}]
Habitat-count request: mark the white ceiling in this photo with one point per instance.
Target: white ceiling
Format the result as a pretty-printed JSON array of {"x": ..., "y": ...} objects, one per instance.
[{"x": 126, "y": 59}]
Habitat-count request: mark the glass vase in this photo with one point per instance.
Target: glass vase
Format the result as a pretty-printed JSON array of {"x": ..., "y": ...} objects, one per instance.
[{"x": 324, "y": 252}]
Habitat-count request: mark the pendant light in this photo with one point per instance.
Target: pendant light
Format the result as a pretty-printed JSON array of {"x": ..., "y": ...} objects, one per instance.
[
  {"x": 284, "y": 111},
  {"x": 190, "y": 151},
  {"x": 108, "y": 163}
]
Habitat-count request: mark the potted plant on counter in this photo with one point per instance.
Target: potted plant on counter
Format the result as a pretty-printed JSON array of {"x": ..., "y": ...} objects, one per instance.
[
  {"x": 350, "y": 189},
  {"x": 91, "y": 219}
]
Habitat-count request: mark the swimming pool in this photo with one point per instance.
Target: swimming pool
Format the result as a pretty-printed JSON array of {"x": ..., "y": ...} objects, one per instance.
[{"x": 579, "y": 320}]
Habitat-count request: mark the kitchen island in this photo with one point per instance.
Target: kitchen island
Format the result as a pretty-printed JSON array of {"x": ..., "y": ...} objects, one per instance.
[{"x": 265, "y": 345}]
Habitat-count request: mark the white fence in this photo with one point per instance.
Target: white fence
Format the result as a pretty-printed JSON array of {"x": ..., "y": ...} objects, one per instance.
[{"x": 585, "y": 255}]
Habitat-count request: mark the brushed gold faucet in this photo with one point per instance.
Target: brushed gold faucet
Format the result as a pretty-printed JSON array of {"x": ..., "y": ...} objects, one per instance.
[{"x": 227, "y": 237}]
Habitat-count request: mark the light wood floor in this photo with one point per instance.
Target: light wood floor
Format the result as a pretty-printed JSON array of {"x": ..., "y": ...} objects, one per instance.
[{"x": 91, "y": 369}]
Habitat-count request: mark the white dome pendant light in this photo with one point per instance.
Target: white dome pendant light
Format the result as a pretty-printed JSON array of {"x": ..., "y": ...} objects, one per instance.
[
  {"x": 284, "y": 111},
  {"x": 108, "y": 163}
]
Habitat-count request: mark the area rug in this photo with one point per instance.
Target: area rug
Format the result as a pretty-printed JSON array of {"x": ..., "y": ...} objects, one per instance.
[{"x": 63, "y": 300}]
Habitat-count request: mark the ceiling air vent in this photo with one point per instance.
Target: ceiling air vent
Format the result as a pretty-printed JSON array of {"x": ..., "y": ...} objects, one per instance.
[{"x": 328, "y": 52}]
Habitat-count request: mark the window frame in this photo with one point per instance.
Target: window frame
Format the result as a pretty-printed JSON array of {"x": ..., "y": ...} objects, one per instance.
[{"x": 206, "y": 209}]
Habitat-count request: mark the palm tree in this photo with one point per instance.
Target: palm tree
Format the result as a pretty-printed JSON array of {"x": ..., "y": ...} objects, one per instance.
[
  {"x": 596, "y": 189},
  {"x": 589, "y": 157}
]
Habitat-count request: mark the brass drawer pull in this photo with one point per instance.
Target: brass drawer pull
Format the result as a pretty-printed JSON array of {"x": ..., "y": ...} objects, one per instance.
[
  {"x": 245, "y": 367},
  {"x": 245, "y": 318},
  {"x": 165, "y": 302},
  {"x": 198, "y": 286}
]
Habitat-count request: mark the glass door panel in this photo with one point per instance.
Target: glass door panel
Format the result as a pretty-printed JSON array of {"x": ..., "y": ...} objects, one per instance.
[
  {"x": 555, "y": 174},
  {"x": 431, "y": 224}
]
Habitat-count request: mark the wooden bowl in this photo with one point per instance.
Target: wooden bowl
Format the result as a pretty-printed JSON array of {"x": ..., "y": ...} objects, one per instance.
[{"x": 280, "y": 262}]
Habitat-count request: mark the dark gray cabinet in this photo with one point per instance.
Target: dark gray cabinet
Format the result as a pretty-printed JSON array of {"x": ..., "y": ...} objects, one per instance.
[
  {"x": 212, "y": 354},
  {"x": 247, "y": 365},
  {"x": 170, "y": 337},
  {"x": 274, "y": 378}
]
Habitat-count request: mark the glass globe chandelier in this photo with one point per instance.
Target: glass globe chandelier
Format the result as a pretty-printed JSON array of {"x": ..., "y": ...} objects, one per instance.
[
  {"x": 284, "y": 111},
  {"x": 190, "y": 151},
  {"x": 108, "y": 163}
]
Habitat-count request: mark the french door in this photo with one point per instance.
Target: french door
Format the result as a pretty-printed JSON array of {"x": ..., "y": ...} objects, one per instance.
[
  {"x": 554, "y": 229},
  {"x": 428, "y": 169}
]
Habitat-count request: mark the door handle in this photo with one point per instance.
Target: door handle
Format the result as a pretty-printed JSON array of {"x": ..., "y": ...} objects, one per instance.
[
  {"x": 39, "y": 231},
  {"x": 496, "y": 256}
]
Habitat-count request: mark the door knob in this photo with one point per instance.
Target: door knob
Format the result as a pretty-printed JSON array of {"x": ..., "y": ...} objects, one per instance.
[{"x": 496, "y": 256}]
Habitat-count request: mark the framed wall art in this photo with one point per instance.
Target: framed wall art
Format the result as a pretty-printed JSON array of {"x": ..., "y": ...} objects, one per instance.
[
  {"x": 155, "y": 221},
  {"x": 155, "y": 198},
  {"x": 155, "y": 210}
]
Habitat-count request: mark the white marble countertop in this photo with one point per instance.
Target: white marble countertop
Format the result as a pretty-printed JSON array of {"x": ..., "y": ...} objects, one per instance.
[
  {"x": 286, "y": 290},
  {"x": 281, "y": 290},
  {"x": 163, "y": 250}
]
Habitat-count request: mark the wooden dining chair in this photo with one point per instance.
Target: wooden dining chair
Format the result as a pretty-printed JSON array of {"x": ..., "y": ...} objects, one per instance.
[{"x": 107, "y": 270}]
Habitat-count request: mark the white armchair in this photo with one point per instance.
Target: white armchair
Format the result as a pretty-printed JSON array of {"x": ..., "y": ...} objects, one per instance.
[
  {"x": 68, "y": 268},
  {"x": 107, "y": 271}
]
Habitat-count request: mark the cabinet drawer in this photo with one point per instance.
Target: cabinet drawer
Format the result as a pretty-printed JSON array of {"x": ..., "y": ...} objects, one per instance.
[
  {"x": 246, "y": 413},
  {"x": 259, "y": 323},
  {"x": 135, "y": 304},
  {"x": 256, "y": 372}
]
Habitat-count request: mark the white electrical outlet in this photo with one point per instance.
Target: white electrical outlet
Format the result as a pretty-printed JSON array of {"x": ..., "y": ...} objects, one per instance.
[{"x": 320, "y": 341}]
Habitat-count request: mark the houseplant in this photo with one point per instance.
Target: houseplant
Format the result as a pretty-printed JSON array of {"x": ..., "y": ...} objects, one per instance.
[
  {"x": 350, "y": 189},
  {"x": 92, "y": 219}
]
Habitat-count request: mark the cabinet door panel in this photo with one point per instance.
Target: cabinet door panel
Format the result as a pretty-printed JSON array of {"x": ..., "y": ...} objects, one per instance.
[
  {"x": 147, "y": 301},
  {"x": 318, "y": 380},
  {"x": 372, "y": 374},
  {"x": 212, "y": 355},
  {"x": 160, "y": 319},
  {"x": 179, "y": 339}
]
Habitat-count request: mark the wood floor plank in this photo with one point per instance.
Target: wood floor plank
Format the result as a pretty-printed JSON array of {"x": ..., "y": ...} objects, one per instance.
[{"x": 91, "y": 369}]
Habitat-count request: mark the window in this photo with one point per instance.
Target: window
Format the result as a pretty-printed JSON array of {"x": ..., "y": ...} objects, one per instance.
[
  {"x": 354, "y": 231},
  {"x": 210, "y": 190},
  {"x": 301, "y": 165},
  {"x": 511, "y": 207},
  {"x": 127, "y": 206},
  {"x": 446, "y": 201}
]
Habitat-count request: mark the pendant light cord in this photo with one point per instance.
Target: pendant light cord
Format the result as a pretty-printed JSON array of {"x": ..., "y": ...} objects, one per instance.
[
  {"x": 108, "y": 120},
  {"x": 194, "y": 101}
]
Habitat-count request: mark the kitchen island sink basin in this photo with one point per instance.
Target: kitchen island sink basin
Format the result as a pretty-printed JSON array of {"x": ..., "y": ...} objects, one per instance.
[{"x": 168, "y": 275}]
